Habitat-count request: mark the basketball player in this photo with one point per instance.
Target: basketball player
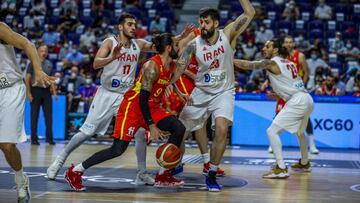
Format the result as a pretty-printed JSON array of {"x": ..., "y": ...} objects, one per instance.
[
  {"x": 12, "y": 101},
  {"x": 141, "y": 108},
  {"x": 299, "y": 59},
  {"x": 119, "y": 56},
  {"x": 214, "y": 91},
  {"x": 174, "y": 104},
  {"x": 286, "y": 82}
]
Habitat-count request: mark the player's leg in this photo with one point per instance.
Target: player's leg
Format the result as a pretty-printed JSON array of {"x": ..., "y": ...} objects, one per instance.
[
  {"x": 97, "y": 121},
  {"x": 74, "y": 174},
  {"x": 309, "y": 131},
  {"x": 47, "y": 109},
  {"x": 34, "y": 111},
  {"x": 142, "y": 177},
  {"x": 171, "y": 124},
  {"x": 13, "y": 157}
]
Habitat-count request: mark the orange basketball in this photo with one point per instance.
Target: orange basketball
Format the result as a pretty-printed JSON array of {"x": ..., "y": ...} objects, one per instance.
[{"x": 168, "y": 155}]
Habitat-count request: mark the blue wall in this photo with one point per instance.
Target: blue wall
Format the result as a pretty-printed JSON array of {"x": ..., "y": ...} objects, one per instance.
[
  {"x": 59, "y": 119},
  {"x": 336, "y": 125}
]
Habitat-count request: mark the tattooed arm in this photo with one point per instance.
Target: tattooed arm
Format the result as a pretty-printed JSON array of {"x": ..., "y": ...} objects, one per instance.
[
  {"x": 234, "y": 29},
  {"x": 183, "y": 61},
  {"x": 266, "y": 64}
]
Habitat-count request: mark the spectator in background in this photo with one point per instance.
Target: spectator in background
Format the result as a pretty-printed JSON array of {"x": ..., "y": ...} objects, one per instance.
[
  {"x": 323, "y": 11},
  {"x": 254, "y": 85},
  {"x": 328, "y": 87},
  {"x": 263, "y": 34},
  {"x": 351, "y": 82},
  {"x": 339, "y": 83},
  {"x": 57, "y": 83},
  {"x": 69, "y": 5},
  {"x": 356, "y": 86},
  {"x": 319, "y": 47},
  {"x": 337, "y": 44},
  {"x": 87, "y": 38},
  {"x": 74, "y": 58},
  {"x": 291, "y": 12},
  {"x": 141, "y": 31},
  {"x": 349, "y": 52},
  {"x": 302, "y": 44},
  {"x": 71, "y": 84},
  {"x": 86, "y": 93},
  {"x": 249, "y": 51},
  {"x": 97, "y": 5},
  {"x": 29, "y": 20},
  {"x": 50, "y": 37},
  {"x": 64, "y": 49},
  {"x": 68, "y": 22},
  {"x": 158, "y": 24},
  {"x": 39, "y": 7},
  {"x": 37, "y": 30},
  {"x": 314, "y": 62}
]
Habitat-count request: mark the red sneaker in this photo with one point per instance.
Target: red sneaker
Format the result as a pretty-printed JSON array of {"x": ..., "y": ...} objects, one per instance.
[
  {"x": 74, "y": 178},
  {"x": 220, "y": 172},
  {"x": 167, "y": 180}
]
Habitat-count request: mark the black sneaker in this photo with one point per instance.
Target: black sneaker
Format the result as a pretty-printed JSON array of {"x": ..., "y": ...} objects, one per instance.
[{"x": 35, "y": 142}]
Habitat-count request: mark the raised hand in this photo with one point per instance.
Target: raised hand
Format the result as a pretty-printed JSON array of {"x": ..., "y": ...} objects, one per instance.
[{"x": 117, "y": 51}]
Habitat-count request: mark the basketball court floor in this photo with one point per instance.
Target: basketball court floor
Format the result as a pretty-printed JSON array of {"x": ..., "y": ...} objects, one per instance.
[{"x": 335, "y": 177}]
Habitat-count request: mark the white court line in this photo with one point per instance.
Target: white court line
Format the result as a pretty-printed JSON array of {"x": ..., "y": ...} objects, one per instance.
[
  {"x": 354, "y": 188},
  {"x": 40, "y": 195}
]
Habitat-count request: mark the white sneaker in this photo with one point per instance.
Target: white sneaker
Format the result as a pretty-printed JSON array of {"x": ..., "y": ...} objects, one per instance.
[
  {"x": 314, "y": 150},
  {"x": 54, "y": 168},
  {"x": 270, "y": 150},
  {"x": 23, "y": 190},
  {"x": 143, "y": 178}
]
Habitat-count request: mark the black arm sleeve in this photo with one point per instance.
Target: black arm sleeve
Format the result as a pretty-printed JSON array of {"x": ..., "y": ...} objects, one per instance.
[{"x": 144, "y": 106}]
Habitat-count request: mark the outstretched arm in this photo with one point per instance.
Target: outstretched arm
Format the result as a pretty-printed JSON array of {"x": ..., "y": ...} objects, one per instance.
[
  {"x": 305, "y": 67},
  {"x": 234, "y": 29},
  {"x": 183, "y": 61},
  {"x": 266, "y": 64}
]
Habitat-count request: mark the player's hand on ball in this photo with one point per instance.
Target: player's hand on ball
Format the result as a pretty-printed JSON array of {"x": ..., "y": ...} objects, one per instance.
[{"x": 156, "y": 133}]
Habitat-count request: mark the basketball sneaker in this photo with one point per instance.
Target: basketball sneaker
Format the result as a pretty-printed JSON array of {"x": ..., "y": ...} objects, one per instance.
[
  {"x": 211, "y": 183},
  {"x": 301, "y": 168},
  {"x": 54, "y": 168},
  {"x": 178, "y": 169},
  {"x": 167, "y": 180},
  {"x": 23, "y": 190},
  {"x": 314, "y": 150},
  {"x": 277, "y": 173},
  {"x": 270, "y": 150},
  {"x": 144, "y": 178},
  {"x": 74, "y": 178},
  {"x": 220, "y": 172}
]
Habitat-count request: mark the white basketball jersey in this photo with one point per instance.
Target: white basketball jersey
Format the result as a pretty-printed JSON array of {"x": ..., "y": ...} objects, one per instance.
[
  {"x": 10, "y": 71},
  {"x": 216, "y": 69},
  {"x": 288, "y": 82},
  {"x": 119, "y": 75}
]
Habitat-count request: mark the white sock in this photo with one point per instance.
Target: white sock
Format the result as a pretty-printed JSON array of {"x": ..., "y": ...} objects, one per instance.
[
  {"x": 213, "y": 167},
  {"x": 311, "y": 141},
  {"x": 273, "y": 133},
  {"x": 303, "y": 148},
  {"x": 206, "y": 157},
  {"x": 74, "y": 143},
  {"x": 19, "y": 176},
  {"x": 140, "y": 148},
  {"x": 162, "y": 170},
  {"x": 79, "y": 168}
]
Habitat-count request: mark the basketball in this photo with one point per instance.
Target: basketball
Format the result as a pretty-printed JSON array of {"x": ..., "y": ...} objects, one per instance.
[{"x": 168, "y": 156}]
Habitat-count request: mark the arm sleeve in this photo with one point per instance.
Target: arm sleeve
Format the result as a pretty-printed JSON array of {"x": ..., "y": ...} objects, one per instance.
[{"x": 144, "y": 106}]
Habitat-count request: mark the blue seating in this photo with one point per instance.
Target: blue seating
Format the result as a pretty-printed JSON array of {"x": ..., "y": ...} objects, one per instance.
[
  {"x": 75, "y": 38},
  {"x": 86, "y": 20},
  {"x": 316, "y": 24}
]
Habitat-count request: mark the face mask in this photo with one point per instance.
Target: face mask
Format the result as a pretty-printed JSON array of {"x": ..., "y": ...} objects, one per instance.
[
  {"x": 88, "y": 81},
  {"x": 355, "y": 89},
  {"x": 73, "y": 51},
  {"x": 349, "y": 46},
  {"x": 313, "y": 57},
  {"x": 249, "y": 44},
  {"x": 23, "y": 65},
  {"x": 262, "y": 29},
  {"x": 66, "y": 45},
  {"x": 57, "y": 81},
  {"x": 73, "y": 75},
  {"x": 301, "y": 38}
]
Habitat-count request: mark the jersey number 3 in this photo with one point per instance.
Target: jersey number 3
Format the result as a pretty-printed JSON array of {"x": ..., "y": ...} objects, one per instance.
[{"x": 293, "y": 69}]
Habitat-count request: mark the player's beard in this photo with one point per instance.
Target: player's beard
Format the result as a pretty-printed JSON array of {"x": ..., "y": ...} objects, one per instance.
[
  {"x": 208, "y": 34},
  {"x": 128, "y": 35},
  {"x": 173, "y": 54}
]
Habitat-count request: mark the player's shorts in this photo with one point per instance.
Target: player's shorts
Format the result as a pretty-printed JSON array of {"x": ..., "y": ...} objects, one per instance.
[
  {"x": 103, "y": 108},
  {"x": 12, "y": 105},
  {"x": 280, "y": 103},
  {"x": 295, "y": 115},
  {"x": 129, "y": 119},
  {"x": 204, "y": 104}
]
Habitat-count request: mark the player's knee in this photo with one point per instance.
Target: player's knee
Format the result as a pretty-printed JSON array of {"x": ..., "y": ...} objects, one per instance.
[
  {"x": 119, "y": 147},
  {"x": 7, "y": 148},
  {"x": 222, "y": 131}
]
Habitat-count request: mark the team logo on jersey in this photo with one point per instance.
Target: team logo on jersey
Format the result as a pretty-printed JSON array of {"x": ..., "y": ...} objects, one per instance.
[
  {"x": 4, "y": 81},
  {"x": 130, "y": 131},
  {"x": 115, "y": 83},
  {"x": 214, "y": 77}
]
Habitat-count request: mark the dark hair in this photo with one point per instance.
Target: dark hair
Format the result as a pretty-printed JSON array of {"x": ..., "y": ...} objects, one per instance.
[
  {"x": 124, "y": 16},
  {"x": 278, "y": 43},
  {"x": 289, "y": 37},
  {"x": 212, "y": 12},
  {"x": 39, "y": 44},
  {"x": 161, "y": 41}
]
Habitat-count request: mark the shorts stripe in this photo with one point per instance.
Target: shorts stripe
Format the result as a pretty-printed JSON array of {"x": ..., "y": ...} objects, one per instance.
[
  {"x": 183, "y": 86},
  {"x": 124, "y": 120}
]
